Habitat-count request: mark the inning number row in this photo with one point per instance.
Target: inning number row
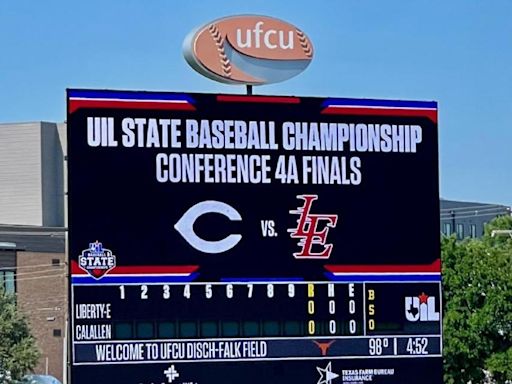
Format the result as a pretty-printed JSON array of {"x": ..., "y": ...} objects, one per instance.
[{"x": 208, "y": 292}]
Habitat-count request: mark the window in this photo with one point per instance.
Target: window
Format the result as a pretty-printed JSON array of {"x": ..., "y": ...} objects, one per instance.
[
  {"x": 7, "y": 281},
  {"x": 460, "y": 231},
  {"x": 473, "y": 230},
  {"x": 447, "y": 229},
  {"x": 55, "y": 262},
  {"x": 57, "y": 333}
]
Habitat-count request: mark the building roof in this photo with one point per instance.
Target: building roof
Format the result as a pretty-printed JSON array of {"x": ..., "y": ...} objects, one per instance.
[
  {"x": 34, "y": 238},
  {"x": 446, "y": 204}
]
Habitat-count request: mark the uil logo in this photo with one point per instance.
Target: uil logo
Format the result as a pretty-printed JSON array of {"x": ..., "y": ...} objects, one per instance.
[{"x": 421, "y": 308}]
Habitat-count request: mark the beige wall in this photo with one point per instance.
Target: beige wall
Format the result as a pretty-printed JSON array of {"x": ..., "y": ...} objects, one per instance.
[
  {"x": 32, "y": 174},
  {"x": 42, "y": 296},
  {"x": 20, "y": 174}
]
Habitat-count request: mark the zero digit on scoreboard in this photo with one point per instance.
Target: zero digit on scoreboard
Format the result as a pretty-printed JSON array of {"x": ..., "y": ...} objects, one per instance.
[
  {"x": 352, "y": 325},
  {"x": 332, "y": 307},
  {"x": 332, "y": 327},
  {"x": 311, "y": 327},
  {"x": 311, "y": 307}
]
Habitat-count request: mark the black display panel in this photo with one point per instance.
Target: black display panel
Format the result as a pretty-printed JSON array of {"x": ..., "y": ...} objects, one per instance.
[{"x": 232, "y": 238}]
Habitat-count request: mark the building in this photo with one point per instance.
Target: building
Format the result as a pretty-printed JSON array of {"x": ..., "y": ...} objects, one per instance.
[
  {"x": 32, "y": 174},
  {"x": 32, "y": 232},
  {"x": 468, "y": 219},
  {"x": 33, "y": 266}
]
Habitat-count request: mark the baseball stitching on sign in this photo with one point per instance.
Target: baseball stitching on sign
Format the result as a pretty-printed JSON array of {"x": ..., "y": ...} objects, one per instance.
[
  {"x": 248, "y": 49},
  {"x": 219, "y": 43},
  {"x": 304, "y": 43}
]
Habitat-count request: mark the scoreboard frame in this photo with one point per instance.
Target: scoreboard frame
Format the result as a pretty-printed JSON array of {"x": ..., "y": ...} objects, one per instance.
[{"x": 218, "y": 238}]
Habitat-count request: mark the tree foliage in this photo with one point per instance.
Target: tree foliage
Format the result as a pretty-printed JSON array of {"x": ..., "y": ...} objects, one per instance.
[
  {"x": 18, "y": 351},
  {"x": 477, "y": 279}
]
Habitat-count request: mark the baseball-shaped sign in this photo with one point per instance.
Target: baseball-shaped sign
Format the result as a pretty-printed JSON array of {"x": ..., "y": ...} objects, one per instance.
[{"x": 248, "y": 49}]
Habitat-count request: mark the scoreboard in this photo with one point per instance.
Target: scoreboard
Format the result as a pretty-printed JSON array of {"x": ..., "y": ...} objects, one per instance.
[{"x": 236, "y": 238}]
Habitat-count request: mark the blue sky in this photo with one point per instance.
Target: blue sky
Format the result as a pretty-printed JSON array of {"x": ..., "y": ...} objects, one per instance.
[{"x": 456, "y": 52}]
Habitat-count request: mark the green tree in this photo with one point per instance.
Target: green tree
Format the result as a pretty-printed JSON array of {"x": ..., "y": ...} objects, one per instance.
[
  {"x": 477, "y": 279},
  {"x": 18, "y": 351}
]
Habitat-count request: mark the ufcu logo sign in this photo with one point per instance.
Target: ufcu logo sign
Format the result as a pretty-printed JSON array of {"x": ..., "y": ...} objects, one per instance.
[
  {"x": 270, "y": 38},
  {"x": 248, "y": 50}
]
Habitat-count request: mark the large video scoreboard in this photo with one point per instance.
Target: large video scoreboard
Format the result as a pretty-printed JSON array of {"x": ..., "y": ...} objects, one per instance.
[{"x": 249, "y": 239}]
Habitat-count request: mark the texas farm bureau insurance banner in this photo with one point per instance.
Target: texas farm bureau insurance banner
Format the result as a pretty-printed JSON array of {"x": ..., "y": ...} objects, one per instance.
[{"x": 233, "y": 238}]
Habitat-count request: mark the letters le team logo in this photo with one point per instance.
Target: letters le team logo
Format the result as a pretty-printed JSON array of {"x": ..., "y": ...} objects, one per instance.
[
  {"x": 96, "y": 260},
  {"x": 421, "y": 308},
  {"x": 312, "y": 230}
]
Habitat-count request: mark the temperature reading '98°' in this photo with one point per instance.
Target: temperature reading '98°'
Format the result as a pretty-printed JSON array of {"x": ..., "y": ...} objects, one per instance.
[{"x": 376, "y": 345}]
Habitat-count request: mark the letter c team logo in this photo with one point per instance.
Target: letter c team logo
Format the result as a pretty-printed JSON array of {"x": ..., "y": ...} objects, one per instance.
[
  {"x": 248, "y": 50},
  {"x": 185, "y": 226},
  {"x": 309, "y": 230}
]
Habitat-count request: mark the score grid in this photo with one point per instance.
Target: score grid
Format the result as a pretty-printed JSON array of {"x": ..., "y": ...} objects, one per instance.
[{"x": 279, "y": 320}]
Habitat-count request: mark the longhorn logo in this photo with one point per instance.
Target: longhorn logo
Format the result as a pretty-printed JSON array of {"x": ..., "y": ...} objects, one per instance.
[{"x": 324, "y": 347}]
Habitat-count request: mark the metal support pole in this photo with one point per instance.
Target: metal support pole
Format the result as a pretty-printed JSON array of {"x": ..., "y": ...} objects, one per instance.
[
  {"x": 249, "y": 89},
  {"x": 454, "y": 230}
]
